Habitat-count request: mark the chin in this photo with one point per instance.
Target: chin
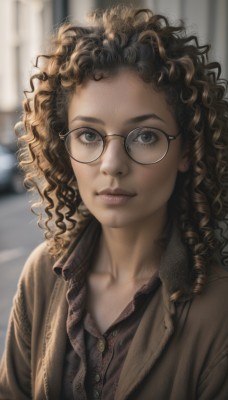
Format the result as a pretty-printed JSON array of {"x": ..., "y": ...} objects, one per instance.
[
  {"x": 112, "y": 224},
  {"x": 118, "y": 222},
  {"x": 115, "y": 221}
]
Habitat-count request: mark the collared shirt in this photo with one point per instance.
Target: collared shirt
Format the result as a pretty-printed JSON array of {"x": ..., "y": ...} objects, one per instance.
[{"x": 93, "y": 360}]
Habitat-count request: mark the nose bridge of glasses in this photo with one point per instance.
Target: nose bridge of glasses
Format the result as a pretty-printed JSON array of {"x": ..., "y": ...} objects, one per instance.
[
  {"x": 113, "y": 135},
  {"x": 108, "y": 138},
  {"x": 114, "y": 149}
]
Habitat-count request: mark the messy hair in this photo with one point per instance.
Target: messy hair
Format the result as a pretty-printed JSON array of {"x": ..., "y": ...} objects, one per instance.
[{"x": 174, "y": 63}]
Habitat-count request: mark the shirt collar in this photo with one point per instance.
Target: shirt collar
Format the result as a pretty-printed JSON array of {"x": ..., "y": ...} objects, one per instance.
[{"x": 174, "y": 270}]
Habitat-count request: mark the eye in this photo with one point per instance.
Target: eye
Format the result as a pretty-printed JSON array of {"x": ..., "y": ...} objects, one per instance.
[
  {"x": 88, "y": 136},
  {"x": 147, "y": 137}
]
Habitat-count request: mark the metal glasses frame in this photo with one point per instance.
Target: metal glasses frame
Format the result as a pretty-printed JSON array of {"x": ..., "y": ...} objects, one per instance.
[{"x": 104, "y": 138}]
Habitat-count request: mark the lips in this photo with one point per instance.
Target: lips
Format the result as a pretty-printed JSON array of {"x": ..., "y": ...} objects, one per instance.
[
  {"x": 115, "y": 197},
  {"x": 115, "y": 192}
]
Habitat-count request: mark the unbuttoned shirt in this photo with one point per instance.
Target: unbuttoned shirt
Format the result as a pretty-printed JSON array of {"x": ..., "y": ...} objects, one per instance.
[{"x": 93, "y": 361}]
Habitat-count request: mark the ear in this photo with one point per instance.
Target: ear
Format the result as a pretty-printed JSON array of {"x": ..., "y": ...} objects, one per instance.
[{"x": 184, "y": 163}]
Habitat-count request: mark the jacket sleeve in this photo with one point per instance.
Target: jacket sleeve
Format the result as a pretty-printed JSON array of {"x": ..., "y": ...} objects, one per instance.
[
  {"x": 15, "y": 374},
  {"x": 214, "y": 382}
]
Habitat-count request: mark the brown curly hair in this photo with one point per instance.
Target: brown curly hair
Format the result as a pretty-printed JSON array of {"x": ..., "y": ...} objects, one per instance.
[{"x": 176, "y": 64}]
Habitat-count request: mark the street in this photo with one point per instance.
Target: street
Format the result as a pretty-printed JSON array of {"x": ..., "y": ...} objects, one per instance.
[{"x": 19, "y": 235}]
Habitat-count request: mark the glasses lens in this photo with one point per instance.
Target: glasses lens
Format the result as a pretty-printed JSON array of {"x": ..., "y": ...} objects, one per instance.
[
  {"x": 84, "y": 144},
  {"x": 146, "y": 145}
]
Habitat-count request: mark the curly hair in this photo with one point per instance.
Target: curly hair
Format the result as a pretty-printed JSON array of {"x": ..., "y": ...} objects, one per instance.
[{"x": 178, "y": 66}]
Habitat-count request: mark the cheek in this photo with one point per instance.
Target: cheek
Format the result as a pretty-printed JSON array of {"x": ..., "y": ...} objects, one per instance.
[
  {"x": 75, "y": 171},
  {"x": 79, "y": 171},
  {"x": 84, "y": 175},
  {"x": 159, "y": 181}
]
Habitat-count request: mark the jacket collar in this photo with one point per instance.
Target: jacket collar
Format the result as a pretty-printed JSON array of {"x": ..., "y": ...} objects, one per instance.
[
  {"x": 72, "y": 263},
  {"x": 174, "y": 270}
]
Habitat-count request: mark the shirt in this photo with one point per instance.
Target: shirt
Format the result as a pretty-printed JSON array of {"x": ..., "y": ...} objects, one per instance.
[{"x": 93, "y": 360}]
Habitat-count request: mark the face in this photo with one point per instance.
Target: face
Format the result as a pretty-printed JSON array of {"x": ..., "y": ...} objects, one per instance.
[{"x": 118, "y": 191}]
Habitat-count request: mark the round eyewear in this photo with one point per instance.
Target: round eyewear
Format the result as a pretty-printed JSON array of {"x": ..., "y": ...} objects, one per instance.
[{"x": 144, "y": 145}]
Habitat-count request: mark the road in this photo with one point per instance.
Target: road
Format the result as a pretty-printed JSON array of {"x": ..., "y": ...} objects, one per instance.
[{"x": 19, "y": 235}]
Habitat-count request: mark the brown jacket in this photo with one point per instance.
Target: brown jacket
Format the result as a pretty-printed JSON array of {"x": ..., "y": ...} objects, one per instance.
[{"x": 179, "y": 352}]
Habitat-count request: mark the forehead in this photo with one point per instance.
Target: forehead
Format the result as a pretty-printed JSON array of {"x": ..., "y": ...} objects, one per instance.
[{"x": 119, "y": 97}]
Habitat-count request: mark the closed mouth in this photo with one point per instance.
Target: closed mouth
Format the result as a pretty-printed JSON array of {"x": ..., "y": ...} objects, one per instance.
[{"x": 115, "y": 192}]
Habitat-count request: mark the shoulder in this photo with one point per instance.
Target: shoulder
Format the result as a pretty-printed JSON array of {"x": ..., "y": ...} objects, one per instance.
[
  {"x": 216, "y": 288},
  {"x": 209, "y": 318},
  {"x": 39, "y": 255},
  {"x": 205, "y": 314},
  {"x": 37, "y": 279},
  {"x": 39, "y": 263},
  {"x": 210, "y": 308}
]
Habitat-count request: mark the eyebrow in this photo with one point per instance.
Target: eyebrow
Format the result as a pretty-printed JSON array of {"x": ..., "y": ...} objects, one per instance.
[
  {"x": 88, "y": 119},
  {"x": 142, "y": 118},
  {"x": 139, "y": 118}
]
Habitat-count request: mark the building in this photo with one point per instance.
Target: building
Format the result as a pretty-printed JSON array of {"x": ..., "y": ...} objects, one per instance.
[{"x": 26, "y": 26}]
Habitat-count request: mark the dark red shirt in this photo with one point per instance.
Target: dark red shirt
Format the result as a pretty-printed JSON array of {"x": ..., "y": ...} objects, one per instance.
[{"x": 93, "y": 360}]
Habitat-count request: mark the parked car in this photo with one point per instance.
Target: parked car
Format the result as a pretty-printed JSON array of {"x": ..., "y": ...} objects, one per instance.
[{"x": 10, "y": 176}]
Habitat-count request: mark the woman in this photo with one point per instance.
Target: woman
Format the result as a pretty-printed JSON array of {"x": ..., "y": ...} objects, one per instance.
[{"x": 126, "y": 143}]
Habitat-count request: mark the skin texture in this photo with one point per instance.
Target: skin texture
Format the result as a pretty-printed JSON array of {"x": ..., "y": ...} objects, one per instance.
[
  {"x": 127, "y": 255},
  {"x": 115, "y": 101}
]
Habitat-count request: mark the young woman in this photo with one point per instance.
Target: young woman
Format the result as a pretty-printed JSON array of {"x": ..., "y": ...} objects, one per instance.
[{"x": 126, "y": 143}]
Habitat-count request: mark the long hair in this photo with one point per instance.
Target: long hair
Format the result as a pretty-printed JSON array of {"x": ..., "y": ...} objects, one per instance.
[{"x": 178, "y": 66}]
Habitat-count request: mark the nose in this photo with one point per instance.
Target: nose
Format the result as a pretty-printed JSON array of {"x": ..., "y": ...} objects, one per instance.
[{"x": 114, "y": 160}]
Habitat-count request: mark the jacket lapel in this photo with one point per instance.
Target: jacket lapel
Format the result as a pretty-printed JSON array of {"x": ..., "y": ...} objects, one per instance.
[
  {"x": 156, "y": 326},
  {"x": 54, "y": 346},
  {"x": 152, "y": 335}
]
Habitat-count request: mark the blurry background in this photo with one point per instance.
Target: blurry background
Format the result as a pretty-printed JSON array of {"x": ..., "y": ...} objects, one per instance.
[{"x": 25, "y": 28}]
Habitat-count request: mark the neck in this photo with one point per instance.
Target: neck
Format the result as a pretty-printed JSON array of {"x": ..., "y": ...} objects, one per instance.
[{"x": 128, "y": 253}]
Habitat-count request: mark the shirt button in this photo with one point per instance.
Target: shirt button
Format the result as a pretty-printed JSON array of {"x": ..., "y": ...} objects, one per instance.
[
  {"x": 101, "y": 345},
  {"x": 96, "y": 394},
  {"x": 97, "y": 378}
]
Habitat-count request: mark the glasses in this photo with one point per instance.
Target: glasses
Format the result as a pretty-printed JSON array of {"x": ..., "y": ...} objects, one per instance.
[{"x": 144, "y": 145}]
